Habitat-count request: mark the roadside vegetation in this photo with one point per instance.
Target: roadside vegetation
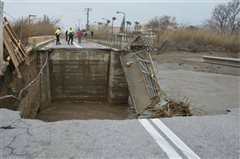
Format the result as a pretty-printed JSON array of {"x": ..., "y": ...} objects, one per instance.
[
  {"x": 37, "y": 27},
  {"x": 222, "y": 30},
  {"x": 203, "y": 38}
]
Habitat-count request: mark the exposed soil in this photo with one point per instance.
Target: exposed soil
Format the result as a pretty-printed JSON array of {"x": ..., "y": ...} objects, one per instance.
[
  {"x": 193, "y": 61},
  {"x": 70, "y": 110}
]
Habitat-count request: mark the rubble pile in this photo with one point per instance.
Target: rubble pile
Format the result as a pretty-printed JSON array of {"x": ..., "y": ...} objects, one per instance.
[{"x": 167, "y": 108}]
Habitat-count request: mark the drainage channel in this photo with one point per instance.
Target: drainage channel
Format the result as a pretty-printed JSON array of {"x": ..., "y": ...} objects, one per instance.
[
  {"x": 83, "y": 84},
  {"x": 77, "y": 110}
]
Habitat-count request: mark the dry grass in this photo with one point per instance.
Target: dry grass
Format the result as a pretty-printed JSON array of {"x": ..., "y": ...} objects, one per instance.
[
  {"x": 174, "y": 108},
  {"x": 204, "y": 38},
  {"x": 180, "y": 107},
  {"x": 39, "y": 27}
]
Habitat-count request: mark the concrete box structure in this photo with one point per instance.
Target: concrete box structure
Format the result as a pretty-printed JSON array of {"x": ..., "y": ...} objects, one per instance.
[{"x": 83, "y": 74}]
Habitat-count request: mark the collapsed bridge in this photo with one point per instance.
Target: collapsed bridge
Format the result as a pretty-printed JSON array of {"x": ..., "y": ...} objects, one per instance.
[{"x": 87, "y": 72}]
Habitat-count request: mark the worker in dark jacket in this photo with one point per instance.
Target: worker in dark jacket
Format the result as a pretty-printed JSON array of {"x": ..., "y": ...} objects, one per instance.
[
  {"x": 70, "y": 36},
  {"x": 66, "y": 35}
]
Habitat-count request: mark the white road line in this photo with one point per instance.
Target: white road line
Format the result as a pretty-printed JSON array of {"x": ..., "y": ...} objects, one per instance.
[
  {"x": 76, "y": 45},
  {"x": 176, "y": 140},
  {"x": 171, "y": 153}
]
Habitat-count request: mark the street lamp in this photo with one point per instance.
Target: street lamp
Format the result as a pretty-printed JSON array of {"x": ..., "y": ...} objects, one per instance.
[
  {"x": 136, "y": 25},
  {"x": 128, "y": 24},
  {"x": 108, "y": 21},
  {"x": 31, "y": 16},
  {"x": 29, "y": 21},
  {"x": 99, "y": 23},
  {"x": 122, "y": 29},
  {"x": 113, "y": 18}
]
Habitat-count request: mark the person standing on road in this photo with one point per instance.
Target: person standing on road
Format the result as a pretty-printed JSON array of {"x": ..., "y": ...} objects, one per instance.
[
  {"x": 70, "y": 36},
  {"x": 66, "y": 35},
  {"x": 57, "y": 33},
  {"x": 92, "y": 33},
  {"x": 79, "y": 36}
]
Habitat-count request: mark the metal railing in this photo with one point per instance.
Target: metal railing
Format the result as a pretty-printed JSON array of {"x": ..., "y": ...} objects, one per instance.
[
  {"x": 151, "y": 82},
  {"x": 119, "y": 40}
]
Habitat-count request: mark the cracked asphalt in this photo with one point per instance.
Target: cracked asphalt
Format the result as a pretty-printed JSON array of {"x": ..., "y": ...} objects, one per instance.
[{"x": 208, "y": 136}]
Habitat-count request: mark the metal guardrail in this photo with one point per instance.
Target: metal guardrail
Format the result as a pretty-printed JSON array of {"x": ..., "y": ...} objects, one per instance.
[
  {"x": 234, "y": 62},
  {"x": 152, "y": 83}
]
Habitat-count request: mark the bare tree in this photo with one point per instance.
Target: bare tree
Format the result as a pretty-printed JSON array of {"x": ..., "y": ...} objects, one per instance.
[
  {"x": 226, "y": 17},
  {"x": 159, "y": 25}
]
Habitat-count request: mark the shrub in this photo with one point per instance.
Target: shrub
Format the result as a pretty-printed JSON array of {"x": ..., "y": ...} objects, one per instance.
[
  {"x": 39, "y": 27},
  {"x": 227, "y": 41}
]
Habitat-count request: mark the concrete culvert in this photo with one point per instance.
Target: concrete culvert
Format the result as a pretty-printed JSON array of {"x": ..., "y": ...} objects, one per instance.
[{"x": 80, "y": 84}]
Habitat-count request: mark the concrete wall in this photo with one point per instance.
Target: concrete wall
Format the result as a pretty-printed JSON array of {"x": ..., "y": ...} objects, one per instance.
[
  {"x": 118, "y": 88},
  {"x": 45, "y": 89},
  {"x": 37, "y": 96},
  {"x": 69, "y": 74},
  {"x": 80, "y": 74},
  {"x": 38, "y": 40},
  {"x": 88, "y": 74}
]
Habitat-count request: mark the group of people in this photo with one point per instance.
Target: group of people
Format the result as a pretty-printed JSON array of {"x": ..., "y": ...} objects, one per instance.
[{"x": 69, "y": 34}]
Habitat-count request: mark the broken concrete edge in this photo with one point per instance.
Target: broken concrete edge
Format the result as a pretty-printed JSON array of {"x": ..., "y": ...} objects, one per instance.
[
  {"x": 43, "y": 49},
  {"x": 36, "y": 40},
  {"x": 38, "y": 46}
]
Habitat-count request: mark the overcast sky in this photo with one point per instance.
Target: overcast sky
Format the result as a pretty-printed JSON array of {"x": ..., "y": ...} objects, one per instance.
[{"x": 193, "y": 12}]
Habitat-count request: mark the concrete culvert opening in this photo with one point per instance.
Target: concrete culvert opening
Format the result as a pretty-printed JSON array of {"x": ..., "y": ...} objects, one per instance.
[
  {"x": 82, "y": 84},
  {"x": 93, "y": 83}
]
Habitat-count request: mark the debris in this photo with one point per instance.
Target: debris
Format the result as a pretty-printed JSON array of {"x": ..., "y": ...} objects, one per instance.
[
  {"x": 14, "y": 47},
  {"x": 146, "y": 114},
  {"x": 161, "y": 104},
  {"x": 129, "y": 64},
  {"x": 167, "y": 109},
  {"x": 141, "y": 43},
  {"x": 142, "y": 79}
]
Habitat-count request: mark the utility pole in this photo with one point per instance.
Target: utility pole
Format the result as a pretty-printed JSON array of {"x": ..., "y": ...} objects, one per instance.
[
  {"x": 45, "y": 18},
  {"x": 1, "y": 38},
  {"x": 29, "y": 17},
  {"x": 113, "y": 18},
  {"x": 21, "y": 29},
  {"x": 87, "y": 10}
]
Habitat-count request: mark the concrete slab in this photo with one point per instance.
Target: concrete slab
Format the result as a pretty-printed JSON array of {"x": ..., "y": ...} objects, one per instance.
[
  {"x": 208, "y": 136},
  {"x": 214, "y": 136},
  {"x": 79, "y": 139},
  {"x": 136, "y": 82}
]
